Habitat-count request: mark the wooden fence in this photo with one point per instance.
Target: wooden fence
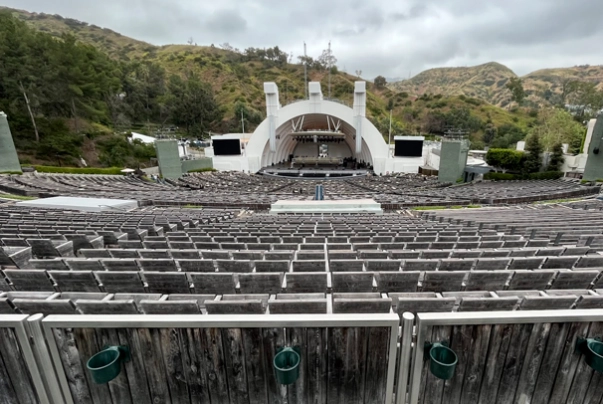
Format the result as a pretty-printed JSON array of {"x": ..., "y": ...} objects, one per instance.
[
  {"x": 20, "y": 381},
  {"x": 509, "y": 358},
  {"x": 190, "y": 361}
]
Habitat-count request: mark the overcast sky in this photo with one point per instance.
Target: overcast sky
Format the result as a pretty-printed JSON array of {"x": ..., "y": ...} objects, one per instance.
[{"x": 393, "y": 38}]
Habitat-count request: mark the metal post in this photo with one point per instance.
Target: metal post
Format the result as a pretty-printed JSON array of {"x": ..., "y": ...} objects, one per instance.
[
  {"x": 408, "y": 321},
  {"x": 389, "y": 142},
  {"x": 42, "y": 357}
]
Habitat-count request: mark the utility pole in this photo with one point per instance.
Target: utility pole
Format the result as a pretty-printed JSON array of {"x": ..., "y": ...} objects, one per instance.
[
  {"x": 242, "y": 121},
  {"x": 330, "y": 69},
  {"x": 389, "y": 147},
  {"x": 305, "y": 71}
]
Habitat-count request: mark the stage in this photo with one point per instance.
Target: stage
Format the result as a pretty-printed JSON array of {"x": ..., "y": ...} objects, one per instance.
[
  {"x": 313, "y": 173},
  {"x": 317, "y": 207}
]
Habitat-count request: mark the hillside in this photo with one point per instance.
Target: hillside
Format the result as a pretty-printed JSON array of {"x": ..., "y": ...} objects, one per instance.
[
  {"x": 487, "y": 82},
  {"x": 133, "y": 85}
]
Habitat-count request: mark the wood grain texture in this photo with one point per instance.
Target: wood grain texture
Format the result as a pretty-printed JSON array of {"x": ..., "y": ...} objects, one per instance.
[
  {"x": 583, "y": 373},
  {"x": 235, "y": 365},
  {"x": 118, "y": 387},
  {"x": 150, "y": 345},
  {"x": 534, "y": 357},
  {"x": 317, "y": 365},
  {"x": 376, "y": 365},
  {"x": 87, "y": 346},
  {"x": 500, "y": 340},
  {"x": 70, "y": 357},
  {"x": 254, "y": 365},
  {"x": 171, "y": 350},
  {"x": 137, "y": 378},
  {"x": 216, "y": 366},
  {"x": 14, "y": 362},
  {"x": 514, "y": 361},
  {"x": 550, "y": 363}
]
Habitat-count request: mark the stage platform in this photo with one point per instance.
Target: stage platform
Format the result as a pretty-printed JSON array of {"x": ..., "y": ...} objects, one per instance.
[
  {"x": 83, "y": 204},
  {"x": 310, "y": 173},
  {"x": 317, "y": 207}
]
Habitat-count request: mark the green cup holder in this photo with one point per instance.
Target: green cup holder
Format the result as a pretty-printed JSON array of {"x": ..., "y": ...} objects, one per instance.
[
  {"x": 106, "y": 364},
  {"x": 592, "y": 349},
  {"x": 286, "y": 365},
  {"x": 443, "y": 360}
]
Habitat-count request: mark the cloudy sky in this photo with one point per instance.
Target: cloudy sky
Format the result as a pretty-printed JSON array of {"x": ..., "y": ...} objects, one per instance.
[{"x": 393, "y": 38}]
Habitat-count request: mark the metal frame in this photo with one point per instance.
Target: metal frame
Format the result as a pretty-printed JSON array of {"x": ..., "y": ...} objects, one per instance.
[
  {"x": 390, "y": 320},
  {"x": 408, "y": 322},
  {"x": 426, "y": 320},
  {"x": 17, "y": 322}
]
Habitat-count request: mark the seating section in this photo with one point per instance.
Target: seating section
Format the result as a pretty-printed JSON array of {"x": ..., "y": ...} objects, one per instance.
[
  {"x": 258, "y": 192},
  {"x": 157, "y": 260}
]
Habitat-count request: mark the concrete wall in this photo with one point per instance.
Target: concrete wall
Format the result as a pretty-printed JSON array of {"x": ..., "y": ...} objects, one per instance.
[
  {"x": 198, "y": 164},
  {"x": 594, "y": 164},
  {"x": 453, "y": 159},
  {"x": 169, "y": 159},
  {"x": 9, "y": 160}
]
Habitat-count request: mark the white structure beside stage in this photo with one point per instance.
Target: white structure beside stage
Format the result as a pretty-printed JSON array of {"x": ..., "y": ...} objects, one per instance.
[
  {"x": 274, "y": 140},
  {"x": 339, "y": 206}
]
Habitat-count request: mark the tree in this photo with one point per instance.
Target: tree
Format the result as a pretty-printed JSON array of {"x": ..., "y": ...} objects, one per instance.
[
  {"x": 380, "y": 82},
  {"x": 556, "y": 160},
  {"x": 192, "y": 105},
  {"x": 586, "y": 99},
  {"x": 558, "y": 126},
  {"x": 533, "y": 161},
  {"x": 515, "y": 85},
  {"x": 505, "y": 159}
]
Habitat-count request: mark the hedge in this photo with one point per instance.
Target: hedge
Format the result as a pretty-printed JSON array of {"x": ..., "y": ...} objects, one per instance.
[
  {"x": 547, "y": 175},
  {"x": 203, "y": 170},
  {"x": 78, "y": 170}
]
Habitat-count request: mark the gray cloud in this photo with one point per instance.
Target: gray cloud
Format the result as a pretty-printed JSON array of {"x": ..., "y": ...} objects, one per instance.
[{"x": 378, "y": 37}]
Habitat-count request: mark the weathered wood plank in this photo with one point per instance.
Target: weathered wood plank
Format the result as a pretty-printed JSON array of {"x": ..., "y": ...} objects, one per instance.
[
  {"x": 316, "y": 368},
  {"x": 192, "y": 343},
  {"x": 254, "y": 365},
  {"x": 550, "y": 363},
  {"x": 425, "y": 370},
  {"x": 135, "y": 369},
  {"x": 70, "y": 356},
  {"x": 118, "y": 387},
  {"x": 461, "y": 340},
  {"x": 499, "y": 345},
  {"x": 376, "y": 365},
  {"x": 171, "y": 351},
  {"x": 215, "y": 366},
  {"x": 272, "y": 340},
  {"x": 7, "y": 391},
  {"x": 354, "y": 365},
  {"x": 534, "y": 356},
  {"x": 235, "y": 365},
  {"x": 298, "y": 391},
  {"x": 513, "y": 365},
  {"x": 150, "y": 345},
  {"x": 87, "y": 346},
  {"x": 14, "y": 363},
  {"x": 583, "y": 373},
  {"x": 568, "y": 363},
  {"x": 336, "y": 353},
  {"x": 477, "y": 363}
]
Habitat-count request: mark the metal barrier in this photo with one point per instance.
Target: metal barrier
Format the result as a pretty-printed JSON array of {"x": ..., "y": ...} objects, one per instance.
[
  {"x": 20, "y": 378},
  {"x": 504, "y": 357},
  {"x": 227, "y": 358}
]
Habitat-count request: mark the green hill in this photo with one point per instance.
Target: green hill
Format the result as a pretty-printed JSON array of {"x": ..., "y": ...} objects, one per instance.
[{"x": 96, "y": 82}]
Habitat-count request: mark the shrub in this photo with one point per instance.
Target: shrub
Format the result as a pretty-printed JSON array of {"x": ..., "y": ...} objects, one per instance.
[
  {"x": 506, "y": 159},
  {"x": 547, "y": 175},
  {"x": 203, "y": 170}
]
